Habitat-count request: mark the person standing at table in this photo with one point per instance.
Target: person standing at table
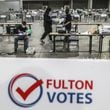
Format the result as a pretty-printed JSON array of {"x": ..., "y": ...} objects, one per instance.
[
  {"x": 67, "y": 25},
  {"x": 47, "y": 25},
  {"x": 67, "y": 21}
]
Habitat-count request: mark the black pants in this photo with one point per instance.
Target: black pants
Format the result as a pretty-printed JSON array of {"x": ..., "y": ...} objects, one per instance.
[
  {"x": 32, "y": 18},
  {"x": 67, "y": 37},
  {"x": 16, "y": 43},
  {"x": 47, "y": 30}
]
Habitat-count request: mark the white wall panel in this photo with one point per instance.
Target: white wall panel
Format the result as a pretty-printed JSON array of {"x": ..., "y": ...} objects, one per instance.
[{"x": 4, "y": 6}]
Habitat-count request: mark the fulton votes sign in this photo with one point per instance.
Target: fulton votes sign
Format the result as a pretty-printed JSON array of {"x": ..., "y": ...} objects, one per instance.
[
  {"x": 37, "y": 84},
  {"x": 61, "y": 96}
]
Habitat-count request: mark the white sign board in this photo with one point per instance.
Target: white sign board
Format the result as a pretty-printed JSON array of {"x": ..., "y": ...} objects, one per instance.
[{"x": 54, "y": 84}]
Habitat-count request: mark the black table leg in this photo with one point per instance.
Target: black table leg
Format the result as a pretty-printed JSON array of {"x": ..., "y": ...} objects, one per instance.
[
  {"x": 76, "y": 28},
  {"x": 54, "y": 44},
  {"x": 90, "y": 44},
  {"x": 68, "y": 43},
  {"x": 100, "y": 43}
]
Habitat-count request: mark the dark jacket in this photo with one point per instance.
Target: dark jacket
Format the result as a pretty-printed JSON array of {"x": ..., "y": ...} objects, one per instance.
[
  {"x": 47, "y": 22},
  {"x": 68, "y": 18},
  {"x": 22, "y": 29}
]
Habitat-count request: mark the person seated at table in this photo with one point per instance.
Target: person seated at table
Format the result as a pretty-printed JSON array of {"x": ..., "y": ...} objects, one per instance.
[{"x": 22, "y": 35}]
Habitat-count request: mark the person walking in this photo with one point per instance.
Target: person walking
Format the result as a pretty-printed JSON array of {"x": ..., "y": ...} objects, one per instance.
[{"x": 47, "y": 25}]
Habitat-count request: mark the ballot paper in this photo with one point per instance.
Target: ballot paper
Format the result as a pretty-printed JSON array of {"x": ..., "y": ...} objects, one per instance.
[{"x": 86, "y": 33}]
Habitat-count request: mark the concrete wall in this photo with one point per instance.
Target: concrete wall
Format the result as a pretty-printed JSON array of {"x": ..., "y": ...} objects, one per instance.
[
  {"x": 100, "y": 3},
  {"x": 39, "y": 4},
  {"x": 80, "y": 4},
  {"x": 4, "y": 6}
]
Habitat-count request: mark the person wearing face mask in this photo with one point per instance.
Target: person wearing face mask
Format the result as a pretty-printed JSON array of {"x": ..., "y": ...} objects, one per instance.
[
  {"x": 47, "y": 25},
  {"x": 22, "y": 35}
]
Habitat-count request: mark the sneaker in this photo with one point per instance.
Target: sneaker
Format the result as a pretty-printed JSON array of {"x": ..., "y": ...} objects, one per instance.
[
  {"x": 51, "y": 51},
  {"x": 42, "y": 42}
]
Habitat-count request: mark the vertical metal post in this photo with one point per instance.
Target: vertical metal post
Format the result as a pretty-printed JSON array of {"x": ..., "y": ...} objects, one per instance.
[
  {"x": 109, "y": 5},
  {"x": 21, "y": 4},
  {"x": 71, "y": 4},
  {"x": 90, "y": 4},
  {"x": 21, "y": 9}
]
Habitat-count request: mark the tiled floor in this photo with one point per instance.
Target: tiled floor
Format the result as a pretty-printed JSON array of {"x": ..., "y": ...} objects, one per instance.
[{"x": 43, "y": 51}]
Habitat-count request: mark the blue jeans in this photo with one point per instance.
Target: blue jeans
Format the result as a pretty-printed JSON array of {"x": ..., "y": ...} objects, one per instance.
[{"x": 24, "y": 38}]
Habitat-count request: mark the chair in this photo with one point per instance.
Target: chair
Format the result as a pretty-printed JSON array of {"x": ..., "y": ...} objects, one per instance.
[
  {"x": 10, "y": 30},
  {"x": 73, "y": 40},
  {"x": 28, "y": 18},
  {"x": 3, "y": 18},
  {"x": 68, "y": 40},
  {"x": 60, "y": 29}
]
